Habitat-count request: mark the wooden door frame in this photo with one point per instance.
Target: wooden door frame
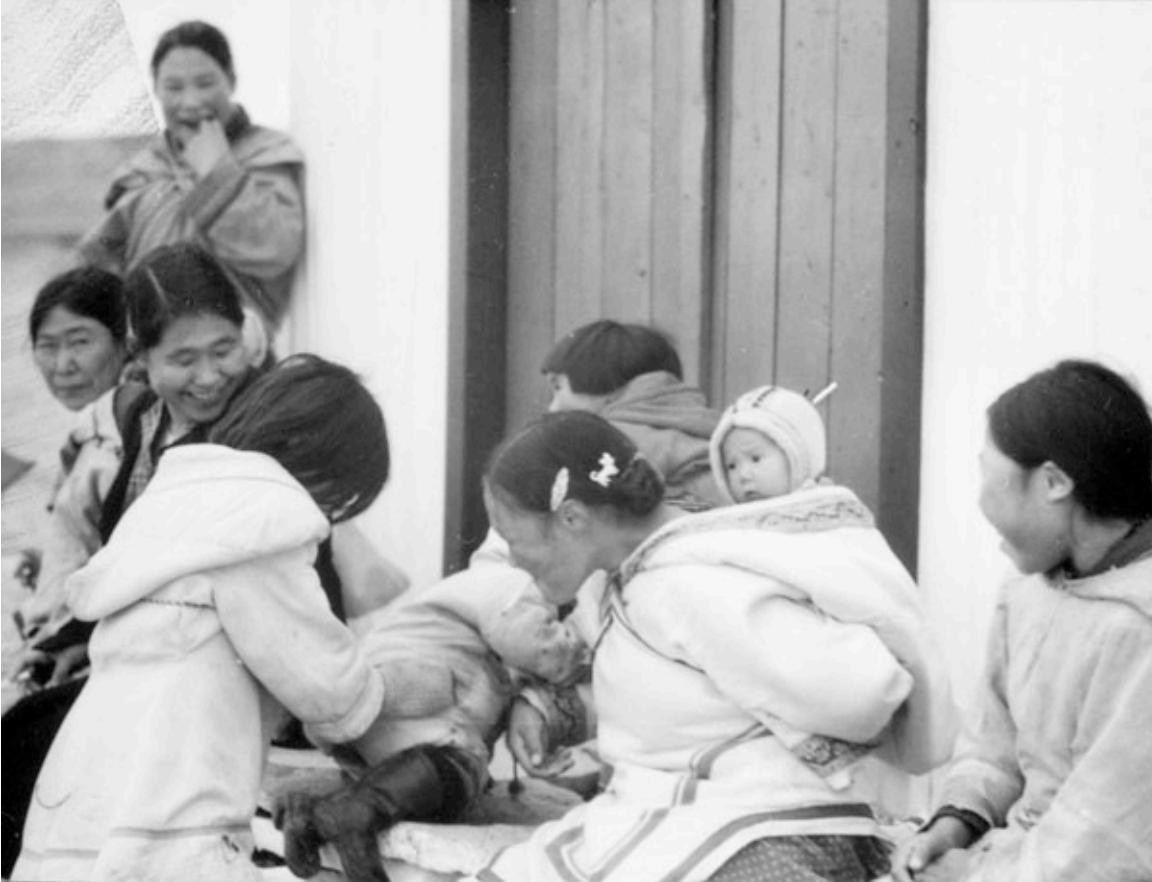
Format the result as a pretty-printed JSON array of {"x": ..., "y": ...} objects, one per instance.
[
  {"x": 478, "y": 289},
  {"x": 478, "y": 271}
]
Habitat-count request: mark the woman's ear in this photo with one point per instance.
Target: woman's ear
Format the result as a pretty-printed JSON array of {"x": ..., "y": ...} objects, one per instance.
[
  {"x": 574, "y": 515},
  {"x": 1058, "y": 485}
]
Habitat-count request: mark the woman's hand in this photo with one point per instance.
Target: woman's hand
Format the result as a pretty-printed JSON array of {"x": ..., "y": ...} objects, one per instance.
[
  {"x": 69, "y": 662},
  {"x": 528, "y": 741},
  {"x": 33, "y": 668},
  {"x": 952, "y": 866},
  {"x": 206, "y": 146},
  {"x": 911, "y": 861}
]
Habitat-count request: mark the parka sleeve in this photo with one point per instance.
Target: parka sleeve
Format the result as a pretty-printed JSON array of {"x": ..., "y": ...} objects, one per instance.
[
  {"x": 985, "y": 775},
  {"x": 105, "y": 245},
  {"x": 777, "y": 659},
  {"x": 1097, "y": 825},
  {"x": 279, "y": 622},
  {"x": 253, "y": 217},
  {"x": 91, "y": 459}
]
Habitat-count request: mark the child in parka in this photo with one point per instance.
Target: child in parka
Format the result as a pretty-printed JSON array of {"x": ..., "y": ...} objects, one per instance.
[
  {"x": 451, "y": 655},
  {"x": 769, "y": 455}
]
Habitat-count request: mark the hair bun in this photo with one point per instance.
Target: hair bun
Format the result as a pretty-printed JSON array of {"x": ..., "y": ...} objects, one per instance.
[{"x": 639, "y": 486}]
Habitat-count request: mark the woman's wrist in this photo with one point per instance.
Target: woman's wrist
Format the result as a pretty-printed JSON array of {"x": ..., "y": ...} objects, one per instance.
[{"x": 952, "y": 827}]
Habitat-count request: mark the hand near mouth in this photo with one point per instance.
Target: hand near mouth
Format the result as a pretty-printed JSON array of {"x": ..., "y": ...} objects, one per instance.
[{"x": 205, "y": 145}]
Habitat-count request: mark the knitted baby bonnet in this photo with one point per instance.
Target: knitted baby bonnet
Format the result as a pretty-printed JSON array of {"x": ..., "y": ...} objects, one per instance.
[{"x": 788, "y": 420}]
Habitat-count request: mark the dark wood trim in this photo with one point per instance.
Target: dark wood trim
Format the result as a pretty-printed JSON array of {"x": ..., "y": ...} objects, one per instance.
[
  {"x": 477, "y": 297},
  {"x": 898, "y": 509}
]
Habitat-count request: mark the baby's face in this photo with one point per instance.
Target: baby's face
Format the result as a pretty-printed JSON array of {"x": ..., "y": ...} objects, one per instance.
[{"x": 756, "y": 467}]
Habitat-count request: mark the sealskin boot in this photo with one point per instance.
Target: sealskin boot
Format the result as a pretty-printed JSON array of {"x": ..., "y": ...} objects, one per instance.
[{"x": 420, "y": 784}]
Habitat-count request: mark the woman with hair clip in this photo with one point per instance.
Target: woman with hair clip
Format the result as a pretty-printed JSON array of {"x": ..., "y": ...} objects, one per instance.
[
  {"x": 1050, "y": 777},
  {"x": 199, "y": 649},
  {"x": 211, "y": 178}
]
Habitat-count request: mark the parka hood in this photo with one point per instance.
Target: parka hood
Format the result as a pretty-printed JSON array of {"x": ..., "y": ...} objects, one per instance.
[
  {"x": 662, "y": 401},
  {"x": 206, "y": 507},
  {"x": 1123, "y": 576},
  {"x": 820, "y": 546}
]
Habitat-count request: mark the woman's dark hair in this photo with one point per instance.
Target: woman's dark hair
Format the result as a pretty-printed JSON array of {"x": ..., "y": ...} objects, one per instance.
[
  {"x": 196, "y": 35},
  {"x": 86, "y": 291},
  {"x": 319, "y": 422},
  {"x": 604, "y": 356},
  {"x": 1089, "y": 421},
  {"x": 603, "y": 466},
  {"x": 174, "y": 281}
]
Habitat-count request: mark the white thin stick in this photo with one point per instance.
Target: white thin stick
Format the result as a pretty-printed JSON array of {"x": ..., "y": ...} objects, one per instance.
[{"x": 825, "y": 392}]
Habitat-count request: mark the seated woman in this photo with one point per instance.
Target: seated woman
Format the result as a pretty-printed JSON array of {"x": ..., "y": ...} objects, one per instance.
[
  {"x": 79, "y": 327},
  {"x": 210, "y": 623},
  {"x": 186, "y": 321},
  {"x": 631, "y": 375},
  {"x": 1050, "y": 777},
  {"x": 186, "y": 318},
  {"x": 211, "y": 178}
]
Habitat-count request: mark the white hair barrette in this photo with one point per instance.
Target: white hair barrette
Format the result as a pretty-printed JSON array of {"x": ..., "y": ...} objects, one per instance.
[
  {"x": 559, "y": 489},
  {"x": 603, "y": 475}
]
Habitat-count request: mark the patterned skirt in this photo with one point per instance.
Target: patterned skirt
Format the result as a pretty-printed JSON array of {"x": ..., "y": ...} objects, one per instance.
[{"x": 807, "y": 859}]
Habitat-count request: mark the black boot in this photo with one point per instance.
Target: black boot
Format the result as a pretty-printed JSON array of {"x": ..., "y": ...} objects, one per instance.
[{"x": 419, "y": 784}]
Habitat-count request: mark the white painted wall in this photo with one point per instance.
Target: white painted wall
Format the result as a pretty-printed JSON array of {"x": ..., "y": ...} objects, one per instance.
[
  {"x": 369, "y": 105},
  {"x": 1039, "y": 224}
]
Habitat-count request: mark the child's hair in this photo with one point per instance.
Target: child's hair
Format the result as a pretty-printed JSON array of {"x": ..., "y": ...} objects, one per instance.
[
  {"x": 195, "y": 35},
  {"x": 788, "y": 420},
  {"x": 174, "y": 281},
  {"x": 87, "y": 291},
  {"x": 574, "y": 455},
  {"x": 1090, "y": 422},
  {"x": 321, "y": 424},
  {"x": 604, "y": 356}
]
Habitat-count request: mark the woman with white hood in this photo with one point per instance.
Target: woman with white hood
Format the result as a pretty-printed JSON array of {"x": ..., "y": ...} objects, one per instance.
[
  {"x": 212, "y": 622},
  {"x": 729, "y": 705}
]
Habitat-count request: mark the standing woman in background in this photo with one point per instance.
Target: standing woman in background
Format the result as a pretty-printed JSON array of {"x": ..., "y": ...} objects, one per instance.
[{"x": 211, "y": 178}]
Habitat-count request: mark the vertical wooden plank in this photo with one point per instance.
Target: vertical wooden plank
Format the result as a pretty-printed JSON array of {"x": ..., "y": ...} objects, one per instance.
[
  {"x": 746, "y": 244},
  {"x": 903, "y": 306},
  {"x": 804, "y": 313},
  {"x": 627, "y": 161},
  {"x": 579, "y": 147},
  {"x": 680, "y": 127},
  {"x": 532, "y": 202},
  {"x": 859, "y": 242}
]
